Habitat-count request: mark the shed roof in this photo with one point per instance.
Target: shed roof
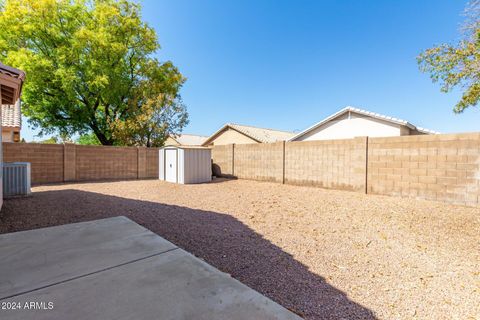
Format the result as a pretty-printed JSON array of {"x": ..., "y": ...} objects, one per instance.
[
  {"x": 366, "y": 113},
  {"x": 185, "y": 147},
  {"x": 262, "y": 135}
]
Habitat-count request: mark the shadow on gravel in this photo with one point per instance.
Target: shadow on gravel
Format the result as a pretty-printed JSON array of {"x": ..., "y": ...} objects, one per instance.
[{"x": 218, "y": 238}]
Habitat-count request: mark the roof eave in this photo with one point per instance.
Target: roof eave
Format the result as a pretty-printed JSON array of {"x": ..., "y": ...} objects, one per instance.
[
  {"x": 226, "y": 126},
  {"x": 362, "y": 112},
  {"x": 318, "y": 124}
]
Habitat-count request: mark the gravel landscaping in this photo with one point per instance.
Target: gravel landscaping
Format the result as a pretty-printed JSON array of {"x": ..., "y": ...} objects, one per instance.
[{"x": 323, "y": 254}]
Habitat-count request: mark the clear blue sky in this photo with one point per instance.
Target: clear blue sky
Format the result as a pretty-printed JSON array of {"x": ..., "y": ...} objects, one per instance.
[{"x": 288, "y": 64}]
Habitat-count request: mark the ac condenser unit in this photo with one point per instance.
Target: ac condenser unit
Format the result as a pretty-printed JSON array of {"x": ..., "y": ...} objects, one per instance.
[{"x": 16, "y": 179}]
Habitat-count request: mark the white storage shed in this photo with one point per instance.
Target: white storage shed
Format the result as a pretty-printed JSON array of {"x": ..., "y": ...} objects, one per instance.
[{"x": 180, "y": 164}]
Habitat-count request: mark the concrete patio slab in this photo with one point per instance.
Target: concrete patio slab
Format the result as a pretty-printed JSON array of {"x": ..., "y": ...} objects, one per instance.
[
  {"x": 167, "y": 284},
  {"x": 42, "y": 257}
]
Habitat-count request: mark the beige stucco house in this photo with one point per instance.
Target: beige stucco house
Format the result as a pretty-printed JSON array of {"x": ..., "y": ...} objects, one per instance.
[
  {"x": 11, "y": 86},
  {"x": 240, "y": 134},
  {"x": 11, "y": 81},
  {"x": 185, "y": 140},
  {"x": 352, "y": 122}
]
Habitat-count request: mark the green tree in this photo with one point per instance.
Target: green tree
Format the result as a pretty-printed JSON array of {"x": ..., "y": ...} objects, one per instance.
[
  {"x": 88, "y": 64},
  {"x": 458, "y": 65},
  {"x": 51, "y": 140},
  {"x": 88, "y": 139}
]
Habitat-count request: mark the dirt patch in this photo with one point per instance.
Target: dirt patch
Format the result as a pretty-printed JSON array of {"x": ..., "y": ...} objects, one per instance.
[{"x": 321, "y": 253}]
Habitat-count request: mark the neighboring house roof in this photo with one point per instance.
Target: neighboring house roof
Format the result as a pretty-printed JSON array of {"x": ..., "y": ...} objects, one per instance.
[
  {"x": 11, "y": 115},
  {"x": 366, "y": 113},
  {"x": 261, "y": 135},
  {"x": 189, "y": 139}
]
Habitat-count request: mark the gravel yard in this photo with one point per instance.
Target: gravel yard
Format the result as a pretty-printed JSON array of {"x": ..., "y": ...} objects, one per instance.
[{"x": 323, "y": 254}]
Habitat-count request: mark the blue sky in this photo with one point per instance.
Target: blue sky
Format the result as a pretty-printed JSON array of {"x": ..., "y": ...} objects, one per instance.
[{"x": 288, "y": 64}]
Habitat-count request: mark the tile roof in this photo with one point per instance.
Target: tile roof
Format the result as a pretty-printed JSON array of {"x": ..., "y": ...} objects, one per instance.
[
  {"x": 12, "y": 72},
  {"x": 262, "y": 135},
  {"x": 11, "y": 115},
  {"x": 367, "y": 113}
]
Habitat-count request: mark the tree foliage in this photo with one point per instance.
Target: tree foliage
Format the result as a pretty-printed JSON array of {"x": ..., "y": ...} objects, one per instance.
[
  {"x": 88, "y": 139},
  {"x": 51, "y": 140},
  {"x": 90, "y": 68},
  {"x": 152, "y": 124},
  {"x": 458, "y": 65}
]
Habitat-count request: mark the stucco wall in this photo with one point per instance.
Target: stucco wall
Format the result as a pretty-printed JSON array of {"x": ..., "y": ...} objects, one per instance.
[
  {"x": 346, "y": 127},
  {"x": 171, "y": 142},
  {"x": 1, "y": 156},
  {"x": 7, "y": 134}
]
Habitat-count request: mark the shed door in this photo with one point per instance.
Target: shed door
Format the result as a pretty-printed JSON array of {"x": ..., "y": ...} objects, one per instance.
[{"x": 171, "y": 165}]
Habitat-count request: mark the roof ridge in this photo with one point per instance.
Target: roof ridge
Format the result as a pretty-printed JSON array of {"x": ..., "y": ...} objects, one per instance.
[
  {"x": 380, "y": 115},
  {"x": 191, "y": 134},
  {"x": 255, "y": 127}
]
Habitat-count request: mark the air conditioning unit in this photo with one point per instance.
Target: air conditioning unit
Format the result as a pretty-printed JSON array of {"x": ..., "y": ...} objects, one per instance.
[{"x": 16, "y": 179}]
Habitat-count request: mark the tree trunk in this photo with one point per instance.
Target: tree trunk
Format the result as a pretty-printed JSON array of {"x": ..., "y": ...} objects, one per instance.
[{"x": 103, "y": 139}]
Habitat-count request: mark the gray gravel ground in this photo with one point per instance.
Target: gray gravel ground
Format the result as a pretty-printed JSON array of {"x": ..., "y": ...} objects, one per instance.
[{"x": 324, "y": 254}]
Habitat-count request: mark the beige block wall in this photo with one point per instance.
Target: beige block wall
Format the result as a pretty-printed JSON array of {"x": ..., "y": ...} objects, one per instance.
[
  {"x": 231, "y": 136},
  {"x": 104, "y": 163},
  {"x": 222, "y": 160},
  {"x": 334, "y": 164},
  {"x": 69, "y": 160},
  {"x": 260, "y": 161},
  {"x": 337, "y": 164},
  {"x": 151, "y": 164},
  {"x": 58, "y": 163},
  {"x": 141, "y": 163},
  {"x": 46, "y": 159},
  {"x": 433, "y": 167}
]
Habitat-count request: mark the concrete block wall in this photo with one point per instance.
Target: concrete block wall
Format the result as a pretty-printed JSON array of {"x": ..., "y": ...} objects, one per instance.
[
  {"x": 433, "y": 167},
  {"x": 105, "y": 163},
  {"x": 141, "y": 163},
  {"x": 222, "y": 160},
  {"x": 46, "y": 159},
  {"x": 337, "y": 164},
  {"x": 151, "y": 162},
  {"x": 263, "y": 162},
  {"x": 332, "y": 164},
  {"x": 63, "y": 163},
  {"x": 69, "y": 162}
]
